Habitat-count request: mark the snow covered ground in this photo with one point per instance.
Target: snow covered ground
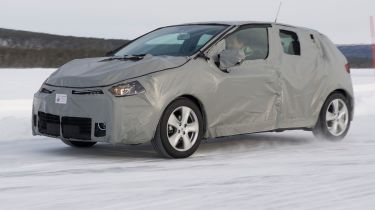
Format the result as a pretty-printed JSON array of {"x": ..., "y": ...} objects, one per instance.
[{"x": 289, "y": 170}]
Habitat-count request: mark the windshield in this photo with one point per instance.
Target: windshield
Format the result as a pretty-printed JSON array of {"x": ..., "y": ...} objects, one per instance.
[{"x": 184, "y": 40}]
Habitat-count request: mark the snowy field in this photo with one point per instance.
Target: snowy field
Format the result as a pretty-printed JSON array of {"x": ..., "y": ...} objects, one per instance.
[{"x": 289, "y": 170}]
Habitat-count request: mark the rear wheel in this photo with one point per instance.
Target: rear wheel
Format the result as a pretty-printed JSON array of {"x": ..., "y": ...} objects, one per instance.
[
  {"x": 334, "y": 118},
  {"x": 80, "y": 144},
  {"x": 180, "y": 130}
]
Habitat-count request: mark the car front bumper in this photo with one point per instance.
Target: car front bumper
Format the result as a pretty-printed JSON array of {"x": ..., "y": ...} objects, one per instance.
[{"x": 94, "y": 115}]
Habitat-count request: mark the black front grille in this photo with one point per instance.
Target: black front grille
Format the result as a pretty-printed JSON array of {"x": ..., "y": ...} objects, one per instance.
[
  {"x": 71, "y": 127},
  {"x": 49, "y": 124},
  {"x": 87, "y": 92},
  {"x": 76, "y": 128}
]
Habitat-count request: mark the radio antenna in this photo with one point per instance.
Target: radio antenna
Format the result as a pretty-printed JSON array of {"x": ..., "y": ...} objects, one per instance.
[{"x": 278, "y": 11}]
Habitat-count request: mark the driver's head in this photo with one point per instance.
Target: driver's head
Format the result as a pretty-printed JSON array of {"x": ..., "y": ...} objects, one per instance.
[{"x": 234, "y": 42}]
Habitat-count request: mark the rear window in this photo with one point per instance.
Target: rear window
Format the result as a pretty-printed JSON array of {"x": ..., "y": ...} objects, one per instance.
[{"x": 290, "y": 42}]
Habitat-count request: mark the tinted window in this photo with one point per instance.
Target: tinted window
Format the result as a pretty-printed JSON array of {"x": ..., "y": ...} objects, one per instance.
[
  {"x": 253, "y": 41},
  {"x": 290, "y": 42}
]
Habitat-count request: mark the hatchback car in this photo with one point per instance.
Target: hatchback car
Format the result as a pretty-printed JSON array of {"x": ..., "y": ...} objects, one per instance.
[{"x": 179, "y": 84}]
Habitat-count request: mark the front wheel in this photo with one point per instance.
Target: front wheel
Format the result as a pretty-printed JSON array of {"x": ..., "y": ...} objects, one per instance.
[
  {"x": 180, "y": 130},
  {"x": 334, "y": 118}
]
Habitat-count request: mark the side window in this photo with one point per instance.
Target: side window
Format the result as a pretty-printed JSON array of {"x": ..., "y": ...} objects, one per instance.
[
  {"x": 253, "y": 41},
  {"x": 290, "y": 42}
]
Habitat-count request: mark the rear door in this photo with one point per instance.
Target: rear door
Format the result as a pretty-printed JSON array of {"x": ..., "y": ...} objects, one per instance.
[{"x": 301, "y": 77}]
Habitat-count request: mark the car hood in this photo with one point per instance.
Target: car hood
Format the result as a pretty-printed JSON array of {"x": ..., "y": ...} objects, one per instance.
[{"x": 95, "y": 72}]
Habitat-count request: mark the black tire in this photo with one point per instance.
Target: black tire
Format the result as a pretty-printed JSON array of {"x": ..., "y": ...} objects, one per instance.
[
  {"x": 161, "y": 143},
  {"x": 321, "y": 130},
  {"x": 79, "y": 144}
]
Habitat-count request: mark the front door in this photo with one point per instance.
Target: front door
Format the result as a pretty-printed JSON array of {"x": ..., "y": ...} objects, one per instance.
[{"x": 248, "y": 96}]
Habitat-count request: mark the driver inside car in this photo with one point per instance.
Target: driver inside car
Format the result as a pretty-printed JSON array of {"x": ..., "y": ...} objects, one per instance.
[{"x": 240, "y": 42}]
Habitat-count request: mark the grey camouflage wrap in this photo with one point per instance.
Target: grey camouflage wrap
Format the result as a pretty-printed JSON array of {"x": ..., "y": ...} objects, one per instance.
[{"x": 280, "y": 92}]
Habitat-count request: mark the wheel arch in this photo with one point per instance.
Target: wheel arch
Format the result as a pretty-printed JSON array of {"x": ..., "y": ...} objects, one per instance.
[
  {"x": 200, "y": 105},
  {"x": 157, "y": 141},
  {"x": 196, "y": 101},
  {"x": 346, "y": 95}
]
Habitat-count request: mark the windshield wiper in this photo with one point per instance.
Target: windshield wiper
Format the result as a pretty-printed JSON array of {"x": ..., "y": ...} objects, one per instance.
[{"x": 126, "y": 57}]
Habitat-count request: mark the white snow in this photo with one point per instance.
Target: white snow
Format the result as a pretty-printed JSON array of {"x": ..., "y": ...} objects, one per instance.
[
  {"x": 289, "y": 170},
  {"x": 17, "y": 87}
]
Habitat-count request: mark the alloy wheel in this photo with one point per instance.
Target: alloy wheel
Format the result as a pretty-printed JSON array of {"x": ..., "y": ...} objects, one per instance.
[
  {"x": 337, "y": 117},
  {"x": 182, "y": 128}
]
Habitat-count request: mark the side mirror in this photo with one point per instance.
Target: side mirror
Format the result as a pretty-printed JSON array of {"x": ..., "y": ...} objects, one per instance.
[{"x": 230, "y": 58}]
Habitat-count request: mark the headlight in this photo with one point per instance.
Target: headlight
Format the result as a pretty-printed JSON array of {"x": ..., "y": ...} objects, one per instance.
[
  {"x": 42, "y": 89},
  {"x": 45, "y": 90},
  {"x": 127, "y": 89}
]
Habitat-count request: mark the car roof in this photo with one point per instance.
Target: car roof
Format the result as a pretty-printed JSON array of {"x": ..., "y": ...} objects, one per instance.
[{"x": 239, "y": 23}]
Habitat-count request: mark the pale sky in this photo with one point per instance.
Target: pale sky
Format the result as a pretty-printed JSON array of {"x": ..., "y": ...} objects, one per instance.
[{"x": 344, "y": 21}]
